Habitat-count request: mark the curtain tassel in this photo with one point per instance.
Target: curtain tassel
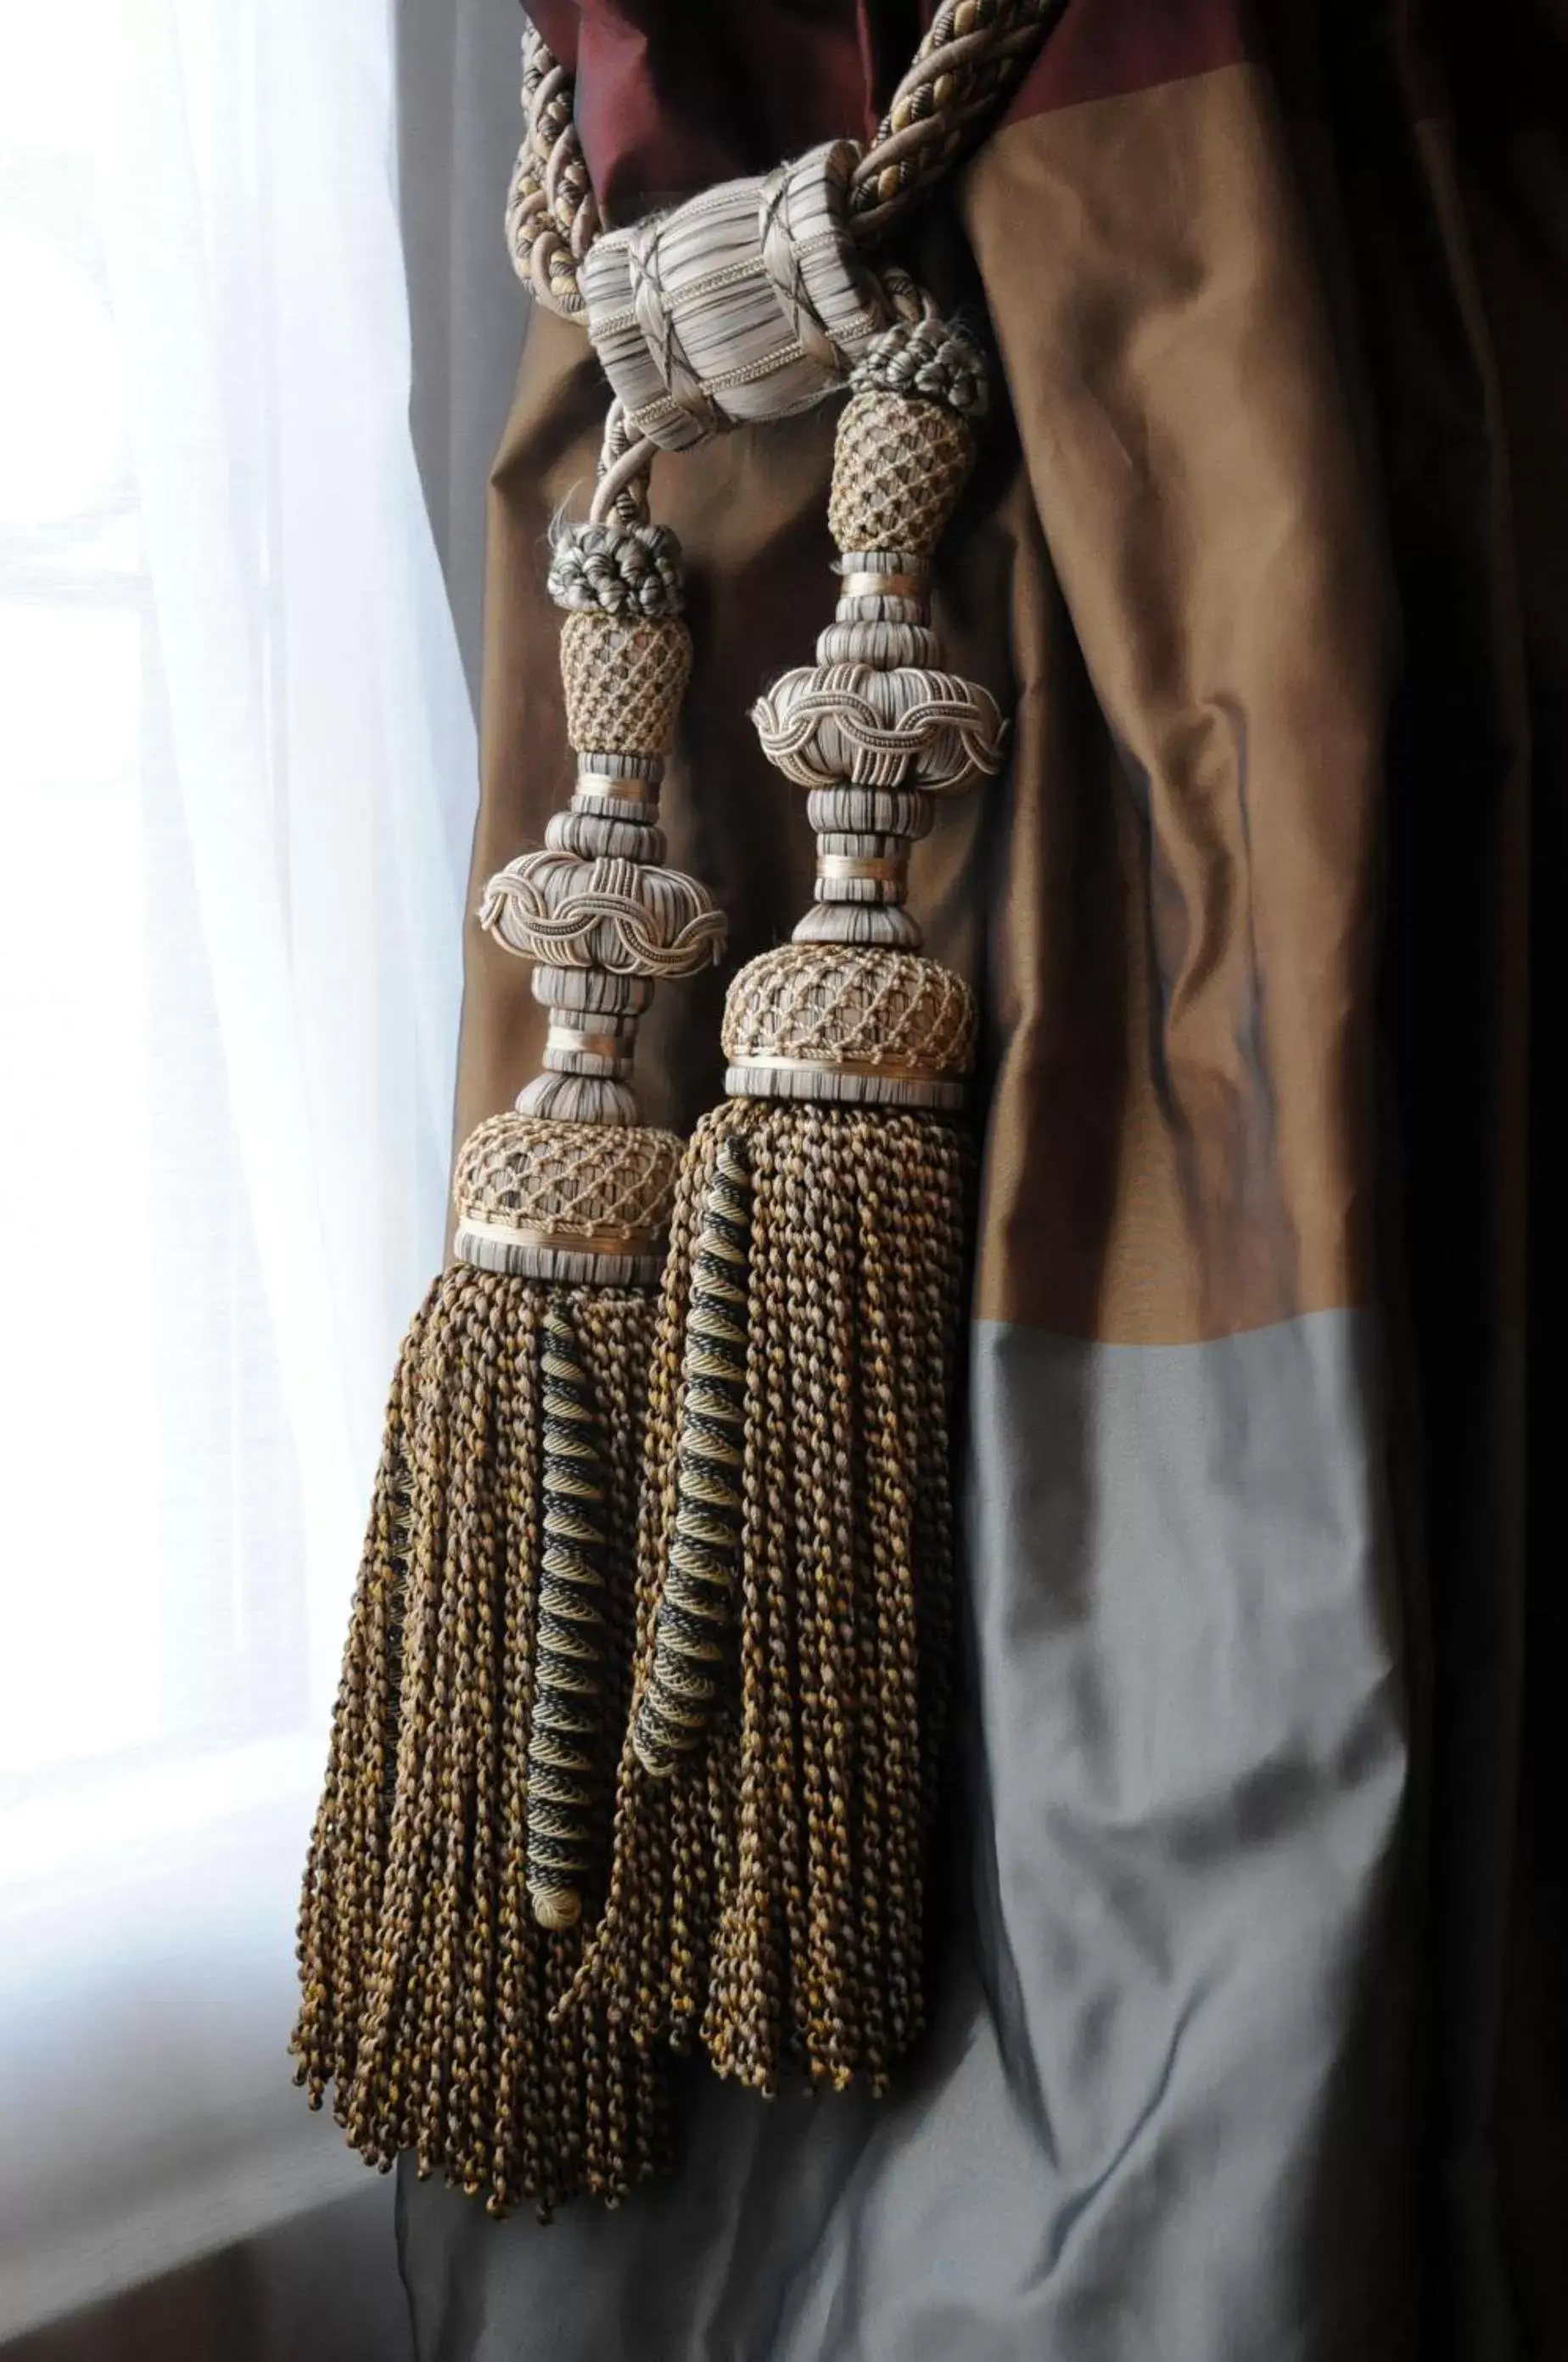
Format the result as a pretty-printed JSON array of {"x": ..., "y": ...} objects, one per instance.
[{"x": 460, "y": 1852}]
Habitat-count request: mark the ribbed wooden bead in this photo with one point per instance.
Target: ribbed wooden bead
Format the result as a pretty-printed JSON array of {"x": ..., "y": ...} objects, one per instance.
[
  {"x": 623, "y": 681},
  {"x": 882, "y": 926},
  {"x": 883, "y": 644},
  {"x": 579, "y": 1043},
  {"x": 899, "y": 465}
]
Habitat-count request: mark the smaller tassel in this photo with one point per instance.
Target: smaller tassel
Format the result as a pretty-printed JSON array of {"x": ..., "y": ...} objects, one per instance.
[{"x": 460, "y": 1849}]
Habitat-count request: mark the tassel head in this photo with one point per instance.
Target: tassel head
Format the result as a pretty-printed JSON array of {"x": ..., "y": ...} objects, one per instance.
[
  {"x": 565, "y": 1201},
  {"x": 848, "y": 1021}
]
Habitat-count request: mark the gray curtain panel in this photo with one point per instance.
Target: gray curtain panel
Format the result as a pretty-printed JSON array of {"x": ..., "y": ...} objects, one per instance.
[{"x": 322, "y": 2288}]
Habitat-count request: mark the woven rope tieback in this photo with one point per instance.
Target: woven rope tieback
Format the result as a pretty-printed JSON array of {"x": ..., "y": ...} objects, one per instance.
[
  {"x": 957, "y": 79},
  {"x": 752, "y": 300},
  {"x": 694, "y": 1610},
  {"x": 563, "y": 1786}
]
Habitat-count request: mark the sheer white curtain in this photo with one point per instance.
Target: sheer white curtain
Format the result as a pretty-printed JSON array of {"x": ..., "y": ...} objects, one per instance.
[{"x": 235, "y": 767}]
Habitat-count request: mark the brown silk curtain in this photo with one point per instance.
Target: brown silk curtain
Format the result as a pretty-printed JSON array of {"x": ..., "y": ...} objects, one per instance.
[{"x": 1253, "y": 2031}]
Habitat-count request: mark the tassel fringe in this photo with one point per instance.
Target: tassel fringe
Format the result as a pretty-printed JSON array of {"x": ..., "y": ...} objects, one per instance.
[
  {"x": 429, "y": 1986},
  {"x": 766, "y": 1892}
]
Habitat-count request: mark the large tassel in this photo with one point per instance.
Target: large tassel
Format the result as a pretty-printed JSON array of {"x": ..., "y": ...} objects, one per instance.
[
  {"x": 460, "y": 1852},
  {"x": 795, "y": 1556}
]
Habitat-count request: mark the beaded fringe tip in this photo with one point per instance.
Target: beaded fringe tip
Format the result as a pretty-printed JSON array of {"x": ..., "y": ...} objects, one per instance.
[
  {"x": 766, "y": 1886},
  {"x": 490, "y": 1641}
]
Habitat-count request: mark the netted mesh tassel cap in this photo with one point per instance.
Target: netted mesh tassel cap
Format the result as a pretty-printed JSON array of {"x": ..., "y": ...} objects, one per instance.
[
  {"x": 845, "y": 1022},
  {"x": 565, "y": 1201},
  {"x": 623, "y": 679},
  {"x": 904, "y": 444}
]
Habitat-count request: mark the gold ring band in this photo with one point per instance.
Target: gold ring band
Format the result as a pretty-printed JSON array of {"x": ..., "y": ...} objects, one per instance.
[
  {"x": 890, "y": 1069},
  {"x": 616, "y": 1046},
  {"x": 600, "y": 787},
  {"x": 594, "y": 1238},
  {"x": 885, "y": 870},
  {"x": 882, "y": 586}
]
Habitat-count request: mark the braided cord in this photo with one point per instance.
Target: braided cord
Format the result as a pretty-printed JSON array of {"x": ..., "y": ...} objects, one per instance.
[
  {"x": 568, "y": 1701},
  {"x": 957, "y": 79},
  {"x": 552, "y": 218},
  {"x": 694, "y": 1611}
]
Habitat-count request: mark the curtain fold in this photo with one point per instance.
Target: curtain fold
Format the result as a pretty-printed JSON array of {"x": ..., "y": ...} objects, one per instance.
[{"x": 1249, "y": 2038}]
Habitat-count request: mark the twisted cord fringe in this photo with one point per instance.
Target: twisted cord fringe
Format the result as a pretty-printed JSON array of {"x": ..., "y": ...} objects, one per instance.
[
  {"x": 694, "y": 1605},
  {"x": 428, "y": 1988},
  {"x": 768, "y": 1894},
  {"x": 569, "y": 1694}
]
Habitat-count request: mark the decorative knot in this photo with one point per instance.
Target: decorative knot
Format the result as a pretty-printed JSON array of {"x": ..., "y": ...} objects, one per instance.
[
  {"x": 935, "y": 358},
  {"x": 618, "y": 569}
]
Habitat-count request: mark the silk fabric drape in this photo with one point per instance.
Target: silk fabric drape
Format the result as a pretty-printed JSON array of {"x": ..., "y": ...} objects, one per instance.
[{"x": 1251, "y": 2031}]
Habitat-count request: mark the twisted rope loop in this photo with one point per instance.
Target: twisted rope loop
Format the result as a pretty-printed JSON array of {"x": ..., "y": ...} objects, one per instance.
[
  {"x": 957, "y": 79},
  {"x": 552, "y": 218}
]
